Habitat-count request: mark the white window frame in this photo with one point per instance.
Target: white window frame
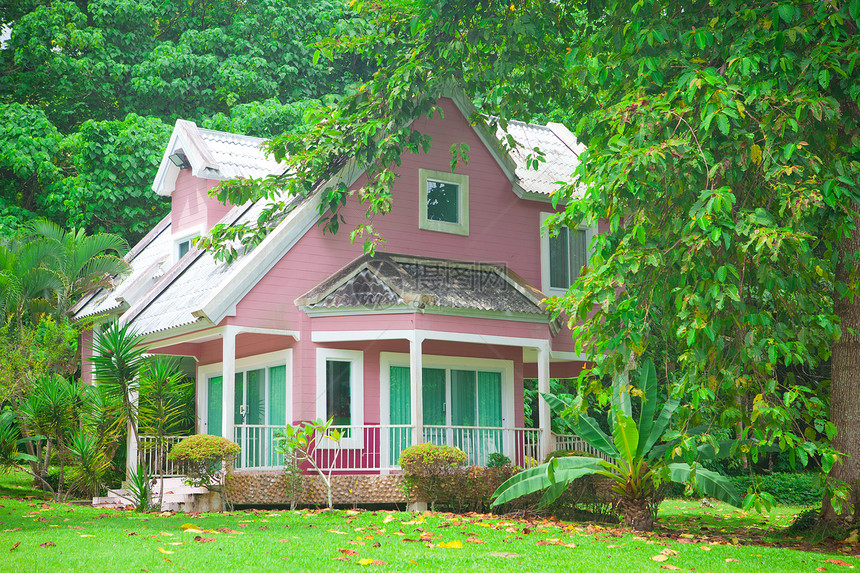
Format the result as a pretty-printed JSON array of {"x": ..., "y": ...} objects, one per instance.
[
  {"x": 544, "y": 254},
  {"x": 356, "y": 391},
  {"x": 505, "y": 367},
  {"x": 179, "y": 238},
  {"x": 461, "y": 227},
  {"x": 207, "y": 371}
]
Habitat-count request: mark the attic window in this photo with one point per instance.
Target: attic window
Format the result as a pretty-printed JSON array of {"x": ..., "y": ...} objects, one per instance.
[
  {"x": 183, "y": 247},
  {"x": 183, "y": 243},
  {"x": 443, "y": 202}
]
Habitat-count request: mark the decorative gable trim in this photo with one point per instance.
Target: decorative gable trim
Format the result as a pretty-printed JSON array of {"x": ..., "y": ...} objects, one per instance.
[{"x": 185, "y": 138}]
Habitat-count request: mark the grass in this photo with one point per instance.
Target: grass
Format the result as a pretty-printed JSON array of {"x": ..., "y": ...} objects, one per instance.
[{"x": 45, "y": 536}]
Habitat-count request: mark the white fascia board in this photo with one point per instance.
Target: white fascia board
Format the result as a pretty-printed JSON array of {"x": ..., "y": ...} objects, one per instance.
[
  {"x": 184, "y": 333},
  {"x": 212, "y": 331},
  {"x": 490, "y": 141},
  {"x": 186, "y": 137},
  {"x": 565, "y": 356},
  {"x": 279, "y": 242},
  {"x": 369, "y": 335}
]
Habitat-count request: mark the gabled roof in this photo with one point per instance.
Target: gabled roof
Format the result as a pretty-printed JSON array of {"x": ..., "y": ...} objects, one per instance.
[
  {"x": 199, "y": 289},
  {"x": 390, "y": 281},
  {"x": 213, "y": 155}
]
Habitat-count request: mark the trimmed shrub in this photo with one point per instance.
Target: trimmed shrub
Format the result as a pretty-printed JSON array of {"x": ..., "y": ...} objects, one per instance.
[
  {"x": 498, "y": 460},
  {"x": 427, "y": 466},
  {"x": 203, "y": 458}
]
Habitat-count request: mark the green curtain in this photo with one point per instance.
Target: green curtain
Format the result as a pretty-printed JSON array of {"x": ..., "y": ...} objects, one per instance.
[
  {"x": 463, "y": 398},
  {"x": 215, "y": 405},
  {"x": 278, "y": 395},
  {"x": 433, "y": 396},
  {"x": 559, "y": 260},
  {"x": 399, "y": 410},
  {"x": 578, "y": 253},
  {"x": 490, "y": 399},
  {"x": 256, "y": 397}
]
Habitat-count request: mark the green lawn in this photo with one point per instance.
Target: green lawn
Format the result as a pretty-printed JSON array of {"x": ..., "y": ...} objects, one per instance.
[{"x": 44, "y": 536}]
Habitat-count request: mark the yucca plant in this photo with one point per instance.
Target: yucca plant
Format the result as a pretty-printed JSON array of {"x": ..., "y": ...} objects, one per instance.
[{"x": 632, "y": 464}]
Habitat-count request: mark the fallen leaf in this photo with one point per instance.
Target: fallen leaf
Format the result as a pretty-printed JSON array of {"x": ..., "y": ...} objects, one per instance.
[
  {"x": 377, "y": 544},
  {"x": 227, "y": 530},
  {"x": 388, "y": 518},
  {"x": 193, "y": 530},
  {"x": 165, "y": 551},
  {"x": 17, "y": 543},
  {"x": 456, "y": 544},
  {"x": 474, "y": 540},
  {"x": 341, "y": 558},
  {"x": 705, "y": 548},
  {"x": 820, "y": 569},
  {"x": 337, "y": 532},
  {"x": 731, "y": 560},
  {"x": 670, "y": 567},
  {"x": 47, "y": 544},
  {"x": 503, "y": 554},
  {"x": 84, "y": 535},
  {"x": 669, "y": 552},
  {"x": 837, "y": 562},
  {"x": 203, "y": 539},
  {"x": 661, "y": 557},
  {"x": 185, "y": 526},
  {"x": 347, "y": 551}
]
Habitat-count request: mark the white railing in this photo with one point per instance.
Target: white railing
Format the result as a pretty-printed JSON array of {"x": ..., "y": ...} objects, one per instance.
[
  {"x": 377, "y": 448},
  {"x": 150, "y": 458},
  {"x": 573, "y": 442}
]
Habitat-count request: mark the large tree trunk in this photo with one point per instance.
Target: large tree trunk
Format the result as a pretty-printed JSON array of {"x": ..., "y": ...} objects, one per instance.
[{"x": 845, "y": 380}]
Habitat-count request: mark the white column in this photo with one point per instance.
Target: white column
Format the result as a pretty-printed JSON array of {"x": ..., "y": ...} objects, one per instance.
[
  {"x": 544, "y": 411},
  {"x": 131, "y": 453},
  {"x": 415, "y": 389},
  {"x": 228, "y": 381}
]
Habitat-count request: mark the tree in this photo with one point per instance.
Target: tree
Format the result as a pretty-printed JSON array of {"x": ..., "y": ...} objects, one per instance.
[
  {"x": 89, "y": 91},
  {"x": 722, "y": 151}
]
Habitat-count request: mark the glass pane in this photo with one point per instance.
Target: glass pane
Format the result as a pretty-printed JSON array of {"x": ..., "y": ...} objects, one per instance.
[
  {"x": 490, "y": 399},
  {"x": 399, "y": 411},
  {"x": 443, "y": 201},
  {"x": 278, "y": 395},
  {"x": 214, "y": 406},
  {"x": 238, "y": 399},
  {"x": 256, "y": 406},
  {"x": 433, "y": 394},
  {"x": 184, "y": 247},
  {"x": 338, "y": 398},
  {"x": 578, "y": 253},
  {"x": 399, "y": 395},
  {"x": 463, "y": 399},
  {"x": 559, "y": 259}
]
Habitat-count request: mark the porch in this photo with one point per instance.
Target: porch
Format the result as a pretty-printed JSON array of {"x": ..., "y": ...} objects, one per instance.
[{"x": 375, "y": 449}]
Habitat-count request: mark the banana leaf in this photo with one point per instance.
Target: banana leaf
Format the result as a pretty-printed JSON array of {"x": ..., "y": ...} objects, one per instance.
[
  {"x": 536, "y": 479},
  {"x": 648, "y": 387},
  {"x": 586, "y": 428},
  {"x": 709, "y": 483}
]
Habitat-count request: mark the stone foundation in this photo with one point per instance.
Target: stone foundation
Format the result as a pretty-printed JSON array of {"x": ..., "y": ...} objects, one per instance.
[{"x": 270, "y": 488}]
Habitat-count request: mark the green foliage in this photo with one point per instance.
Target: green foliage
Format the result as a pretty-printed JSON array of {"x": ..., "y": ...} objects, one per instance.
[
  {"x": 140, "y": 489},
  {"x": 90, "y": 89},
  {"x": 631, "y": 463},
  {"x": 428, "y": 469},
  {"x": 498, "y": 460},
  {"x": 87, "y": 476},
  {"x": 205, "y": 459},
  {"x": 786, "y": 488}
]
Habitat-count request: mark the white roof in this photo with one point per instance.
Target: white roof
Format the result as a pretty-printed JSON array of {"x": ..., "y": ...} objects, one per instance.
[{"x": 560, "y": 149}]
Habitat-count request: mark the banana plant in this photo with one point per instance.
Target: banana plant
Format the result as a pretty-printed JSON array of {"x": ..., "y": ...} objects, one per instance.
[{"x": 632, "y": 463}]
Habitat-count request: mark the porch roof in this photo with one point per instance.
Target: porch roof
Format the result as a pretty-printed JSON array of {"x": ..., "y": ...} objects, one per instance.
[{"x": 392, "y": 281}]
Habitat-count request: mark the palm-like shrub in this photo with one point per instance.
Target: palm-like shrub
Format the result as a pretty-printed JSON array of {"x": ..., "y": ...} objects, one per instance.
[{"x": 632, "y": 462}]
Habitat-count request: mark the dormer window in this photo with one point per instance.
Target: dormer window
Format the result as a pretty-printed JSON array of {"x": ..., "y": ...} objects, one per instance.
[
  {"x": 443, "y": 202},
  {"x": 563, "y": 256},
  {"x": 183, "y": 243}
]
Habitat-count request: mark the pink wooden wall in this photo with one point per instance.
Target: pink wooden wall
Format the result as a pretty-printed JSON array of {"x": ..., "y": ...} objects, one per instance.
[
  {"x": 502, "y": 229},
  {"x": 191, "y": 207}
]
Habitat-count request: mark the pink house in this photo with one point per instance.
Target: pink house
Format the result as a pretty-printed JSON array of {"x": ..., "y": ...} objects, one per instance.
[{"x": 428, "y": 341}]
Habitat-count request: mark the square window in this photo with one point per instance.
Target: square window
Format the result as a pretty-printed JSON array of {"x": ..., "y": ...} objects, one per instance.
[
  {"x": 183, "y": 248},
  {"x": 443, "y": 202},
  {"x": 563, "y": 256}
]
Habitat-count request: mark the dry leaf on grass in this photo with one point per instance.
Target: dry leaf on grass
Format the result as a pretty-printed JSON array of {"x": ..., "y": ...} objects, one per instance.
[
  {"x": 660, "y": 558},
  {"x": 732, "y": 560},
  {"x": 165, "y": 551},
  {"x": 670, "y": 567},
  {"x": 199, "y": 539},
  {"x": 837, "y": 562},
  {"x": 503, "y": 554},
  {"x": 17, "y": 543},
  {"x": 335, "y": 531},
  {"x": 341, "y": 558},
  {"x": 347, "y": 551},
  {"x": 369, "y": 561},
  {"x": 456, "y": 544},
  {"x": 475, "y": 540}
]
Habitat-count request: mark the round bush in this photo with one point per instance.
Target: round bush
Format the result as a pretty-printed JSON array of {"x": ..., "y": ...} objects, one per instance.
[
  {"x": 201, "y": 456},
  {"x": 427, "y": 457}
]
